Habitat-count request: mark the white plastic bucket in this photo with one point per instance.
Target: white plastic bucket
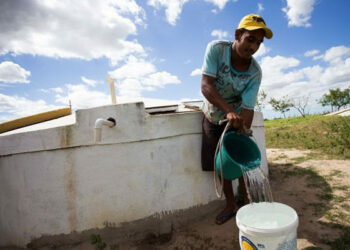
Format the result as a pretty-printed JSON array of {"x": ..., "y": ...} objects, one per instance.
[{"x": 268, "y": 226}]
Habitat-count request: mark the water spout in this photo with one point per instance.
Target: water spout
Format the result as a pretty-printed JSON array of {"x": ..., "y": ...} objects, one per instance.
[{"x": 99, "y": 123}]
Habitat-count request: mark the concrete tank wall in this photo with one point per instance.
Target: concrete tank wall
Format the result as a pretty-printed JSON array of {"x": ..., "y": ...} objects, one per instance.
[{"x": 58, "y": 181}]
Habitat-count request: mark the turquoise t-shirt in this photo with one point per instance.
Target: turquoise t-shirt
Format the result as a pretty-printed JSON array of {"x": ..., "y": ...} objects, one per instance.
[{"x": 239, "y": 89}]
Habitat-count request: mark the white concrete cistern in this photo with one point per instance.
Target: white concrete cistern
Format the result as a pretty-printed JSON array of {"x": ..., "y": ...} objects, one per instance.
[{"x": 110, "y": 122}]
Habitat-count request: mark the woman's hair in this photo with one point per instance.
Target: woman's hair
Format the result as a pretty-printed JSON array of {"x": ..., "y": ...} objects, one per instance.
[{"x": 242, "y": 30}]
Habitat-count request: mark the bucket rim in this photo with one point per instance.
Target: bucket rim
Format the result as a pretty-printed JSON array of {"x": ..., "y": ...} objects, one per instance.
[
  {"x": 257, "y": 162},
  {"x": 272, "y": 231}
]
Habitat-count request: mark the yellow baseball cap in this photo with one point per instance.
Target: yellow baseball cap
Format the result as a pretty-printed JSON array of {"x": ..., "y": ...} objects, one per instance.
[{"x": 254, "y": 22}]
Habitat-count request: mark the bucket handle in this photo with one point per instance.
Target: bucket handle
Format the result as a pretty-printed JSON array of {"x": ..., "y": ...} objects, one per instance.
[
  {"x": 246, "y": 131},
  {"x": 218, "y": 148}
]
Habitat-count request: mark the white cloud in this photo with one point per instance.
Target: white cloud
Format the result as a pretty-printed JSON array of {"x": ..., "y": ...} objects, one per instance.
[
  {"x": 277, "y": 73},
  {"x": 13, "y": 73},
  {"x": 196, "y": 72},
  {"x": 279, "y": 63},
  {"x": 313, "y": 73},
  {"x": 173, "y": 8},
  {"x": 299, "y": 12},
  {"x": 311, "y": 53},
  {"x": 219, "y": 3},
  {"x": 149, "y": 102},
  {"x": 138, "y": 75},
  {"x": 282, "y": 77},
  {"x": 160, "y": 79},
  {"x": 44, "y": 90},
  {"x": 260, "y": 7},
  {"x": 15, "y": 106},
  {"x": 133, "y": 68},
  {"x": 318, "y": 57},
  {"x": 81, "y": 96},
  {"x": 335, "y": 54},
  {"x": 220, "y": 34},
  {"x": 54, "y": 90},
  {"x": 131, "y": 87},
  {"x": 70, "y": 29},
  {"x": 57, "y": 90},
  {"x": 262, "y": 50},
  {"x": 337, "y": 75},
  {"x": 89, "y": 82}
]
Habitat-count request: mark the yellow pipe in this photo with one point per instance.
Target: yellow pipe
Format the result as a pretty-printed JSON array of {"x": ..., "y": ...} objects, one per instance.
[{"x": 33, "y": 119}]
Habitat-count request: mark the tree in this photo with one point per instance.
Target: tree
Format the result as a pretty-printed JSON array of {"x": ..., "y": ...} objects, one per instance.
[
  {"x": 336, "y": 98},
  {"x": 283, "y": 105},
  {"x": 300, "y": 104},
  {"x": 260, "y": 100}
]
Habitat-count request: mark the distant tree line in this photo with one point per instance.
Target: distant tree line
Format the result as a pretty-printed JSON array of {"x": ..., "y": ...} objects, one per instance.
[{"x": 335, "y": 98}]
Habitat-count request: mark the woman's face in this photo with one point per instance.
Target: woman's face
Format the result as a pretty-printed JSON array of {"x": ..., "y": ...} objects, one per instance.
[{"x": 248, "y": 42}]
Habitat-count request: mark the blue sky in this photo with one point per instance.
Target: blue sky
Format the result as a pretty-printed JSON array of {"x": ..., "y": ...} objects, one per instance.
[{"x": 54, "y": 51}]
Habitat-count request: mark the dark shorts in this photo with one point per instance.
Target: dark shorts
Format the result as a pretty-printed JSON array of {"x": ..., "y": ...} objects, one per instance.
[{"x": 210, "y": 138}]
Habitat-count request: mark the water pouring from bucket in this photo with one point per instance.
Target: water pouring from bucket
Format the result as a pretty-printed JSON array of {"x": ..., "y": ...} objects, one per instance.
[
  {"x": 238, "y": 155},
  {"x": 263, "y": 224}
]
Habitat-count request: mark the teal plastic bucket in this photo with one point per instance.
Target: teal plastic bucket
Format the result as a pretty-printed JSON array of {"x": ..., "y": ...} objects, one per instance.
[{"x": 238, "y": 151}]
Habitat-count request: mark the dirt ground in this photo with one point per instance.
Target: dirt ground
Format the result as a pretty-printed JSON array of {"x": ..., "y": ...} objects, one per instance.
[{"x": 318, "y": 189}]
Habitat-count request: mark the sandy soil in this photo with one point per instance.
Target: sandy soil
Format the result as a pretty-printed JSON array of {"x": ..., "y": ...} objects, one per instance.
[
  {"x": 296, "y": 191},
  {"x": 317, "y": 189},
  {"x": 310, "y": 198},
  {"x": 293, "y": 190}
]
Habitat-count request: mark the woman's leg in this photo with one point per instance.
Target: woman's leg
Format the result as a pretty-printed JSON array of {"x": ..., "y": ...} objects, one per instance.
[{"x": 243, "y": 189}]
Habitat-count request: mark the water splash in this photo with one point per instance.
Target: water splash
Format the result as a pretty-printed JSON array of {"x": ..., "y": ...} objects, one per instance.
[{"x": 257, "y": 185}]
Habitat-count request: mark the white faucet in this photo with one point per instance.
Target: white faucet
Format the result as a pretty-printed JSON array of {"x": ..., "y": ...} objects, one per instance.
[{"x": 110, "y": 122}]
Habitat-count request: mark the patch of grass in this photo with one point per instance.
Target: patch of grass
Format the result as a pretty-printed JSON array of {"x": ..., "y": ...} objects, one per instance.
[
  {"x": 298, "y": 160},
  {"x": 336, "y": 173},
  {"x": 345, "y": 206},
  {"x": 97, "y": 241},
  {"x": 294, "y": 121},
  {"x": 329, "y": 135},
  {"x": 341, "y": 187},
  {"x": 282, "y": 156},
  {"x": 309, "y": 156},
  {"x": 326, "y": 196},
  {"x": 339, "y": 199},
  {"x": 336, "y": 216}
]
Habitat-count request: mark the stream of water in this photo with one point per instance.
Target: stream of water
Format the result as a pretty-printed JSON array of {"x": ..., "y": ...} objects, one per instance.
[{"x": 257, "y": 185}]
